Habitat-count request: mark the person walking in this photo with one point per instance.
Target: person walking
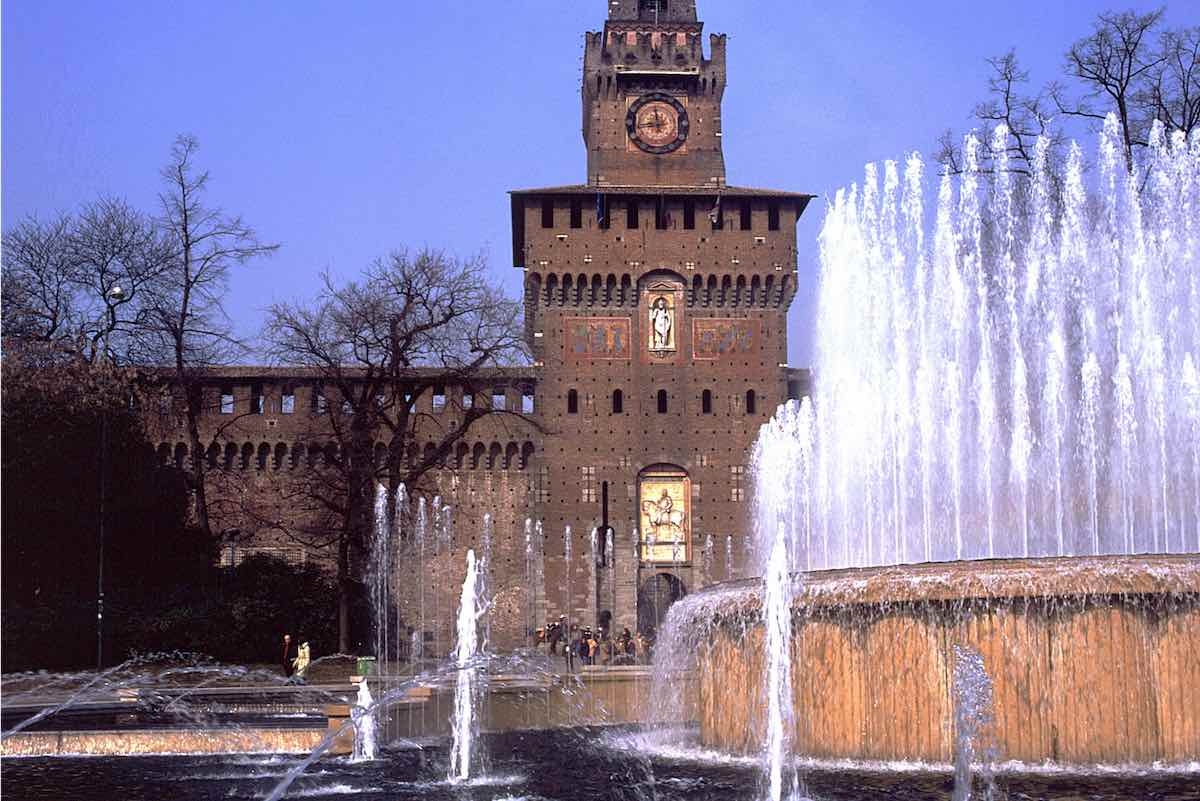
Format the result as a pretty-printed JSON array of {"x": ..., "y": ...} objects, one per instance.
[
  {"x": 287, "y": 651},
  {"x": 569, "y": 646},
  {"x": 301, "y": 662},
  {"x": 592, "y": 646}
]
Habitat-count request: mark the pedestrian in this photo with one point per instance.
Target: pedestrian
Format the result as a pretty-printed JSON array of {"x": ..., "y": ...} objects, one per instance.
[
  {"x": 592, "y": 646},
  {"x": 287, "y": 649},
  {"x": 301, "y": 662},
  {"x": 583, "y": 645},
  {"x": 569, "y": 647},
  {"x": 627, "y": 645}
]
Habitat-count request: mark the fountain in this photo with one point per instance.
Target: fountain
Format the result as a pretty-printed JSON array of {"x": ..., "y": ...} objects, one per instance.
[
  {"x": 998, "y": 467},
  {"x": 365, "y": 746},
  {"x": 466, "y": 724}
]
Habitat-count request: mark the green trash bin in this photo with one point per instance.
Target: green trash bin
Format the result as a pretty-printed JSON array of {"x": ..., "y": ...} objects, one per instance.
[{"x": 366, "y": 665}]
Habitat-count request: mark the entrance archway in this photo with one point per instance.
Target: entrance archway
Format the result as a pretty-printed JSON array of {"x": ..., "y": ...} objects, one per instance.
[{"x": 654, "y": 599}]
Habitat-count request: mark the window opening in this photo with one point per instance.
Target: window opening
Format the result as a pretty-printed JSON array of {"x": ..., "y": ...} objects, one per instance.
[
  {"x": 439, "y": 398},
  {"x": 631, "y": 214},
  {"x": 588, "y": 494},
  {"x": 706, "y": 405},
  {"x": 527, "y": 404},
  {"x": 576, "y": 213},
  {"x": 773, "y": 217},
  {"x": 257, "y": 401},
  {"x": 662, "y": 401},
  {"x": 547, "y": 212},
  {"x": 618, "y": 402},
  {"x": 689, "y": 215},
  {"x": 573, "y": 402},
  {"x": 226, "y": 400},
  {"x": 751, "y": 403},
  {"x": 737, "y": 481},
  {"x": 287, "y": 401}
]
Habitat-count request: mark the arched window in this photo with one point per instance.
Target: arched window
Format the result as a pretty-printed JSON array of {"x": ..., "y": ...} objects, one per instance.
[
  {"x": 751, "y": 402},
  {"x": 618, "y": 406},
  {"x": 572, "y": 402},
  {"x": 706, "y": 402},
  {"x": 662, "y": 401}
]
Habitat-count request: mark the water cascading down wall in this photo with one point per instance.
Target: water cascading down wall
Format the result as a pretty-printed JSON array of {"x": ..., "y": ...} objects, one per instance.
[
  {"x": 1092, "y": 661},
  {"x": 1001, "y": 459}
]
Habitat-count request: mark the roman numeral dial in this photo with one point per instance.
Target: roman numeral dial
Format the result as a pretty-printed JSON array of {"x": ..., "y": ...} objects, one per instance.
[{"x": 657, "y": 123}]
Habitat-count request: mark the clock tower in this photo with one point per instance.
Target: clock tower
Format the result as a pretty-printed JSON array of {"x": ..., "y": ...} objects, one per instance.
[
  {"x": 656, "y": 300},
  {"x": 651, "y": 99}
]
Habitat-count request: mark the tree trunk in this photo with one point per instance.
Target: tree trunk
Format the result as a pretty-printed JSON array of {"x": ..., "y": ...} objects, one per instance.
[
  {"x": 344, "y": 591},
  {"x": 199, "y": 482}
]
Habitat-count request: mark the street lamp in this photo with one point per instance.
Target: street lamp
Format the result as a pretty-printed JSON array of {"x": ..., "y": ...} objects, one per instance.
[{"x": 112, "y": 298}]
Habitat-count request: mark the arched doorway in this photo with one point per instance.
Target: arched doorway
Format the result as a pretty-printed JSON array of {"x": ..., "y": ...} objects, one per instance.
[{"x": 654, "y": 599}]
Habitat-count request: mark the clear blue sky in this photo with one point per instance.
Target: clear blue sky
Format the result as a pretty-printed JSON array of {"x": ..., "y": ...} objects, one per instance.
[{"x": 345, "y": 130}]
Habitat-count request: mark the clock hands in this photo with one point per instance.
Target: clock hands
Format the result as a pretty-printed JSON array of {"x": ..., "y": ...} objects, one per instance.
[{"x": 657, "y": 121}]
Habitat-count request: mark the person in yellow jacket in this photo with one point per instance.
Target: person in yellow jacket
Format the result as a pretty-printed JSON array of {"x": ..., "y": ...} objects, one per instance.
[{"x": 300, "y": 663}]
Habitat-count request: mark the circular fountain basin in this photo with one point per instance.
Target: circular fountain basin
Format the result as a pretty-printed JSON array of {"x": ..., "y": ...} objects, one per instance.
[{"x": 1092, "y": 661}]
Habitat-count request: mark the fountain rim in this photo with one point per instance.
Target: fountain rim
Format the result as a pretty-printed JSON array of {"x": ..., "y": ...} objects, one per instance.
[{"x": 987, "y": 579}]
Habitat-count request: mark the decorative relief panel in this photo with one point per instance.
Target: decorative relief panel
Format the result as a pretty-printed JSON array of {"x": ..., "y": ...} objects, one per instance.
[
  {"x": 665, "y": 516},
  {"x": 598, "y": 338},
  {"x": 720, "y": 338}
]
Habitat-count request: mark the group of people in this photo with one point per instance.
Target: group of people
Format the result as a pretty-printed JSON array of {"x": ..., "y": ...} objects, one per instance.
[
  {"x": 586, "y": 646},
  {"x": 295, "y": 668}
]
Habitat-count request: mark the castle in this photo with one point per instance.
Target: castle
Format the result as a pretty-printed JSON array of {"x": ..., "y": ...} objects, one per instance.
[{"x": 656, "y": 298}]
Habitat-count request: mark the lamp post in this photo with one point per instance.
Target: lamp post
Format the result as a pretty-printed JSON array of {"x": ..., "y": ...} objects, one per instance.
[{"x": 112, "y": 298}]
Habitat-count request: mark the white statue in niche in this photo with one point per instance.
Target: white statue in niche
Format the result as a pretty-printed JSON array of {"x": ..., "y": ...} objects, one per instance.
[{"x": 662, "y": 324}]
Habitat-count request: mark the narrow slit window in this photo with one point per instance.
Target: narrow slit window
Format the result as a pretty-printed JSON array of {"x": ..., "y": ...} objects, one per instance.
[
  {"x": 573, "y": 402},
  {"x": 618, "y": 402},
  {"x": 706, "y": 405},
  {"x": 257, "y": 400},
  {"x": 662, "y": 401},
  {"x": 661, "y": 217},
  {"x": 751, "y": 402}
]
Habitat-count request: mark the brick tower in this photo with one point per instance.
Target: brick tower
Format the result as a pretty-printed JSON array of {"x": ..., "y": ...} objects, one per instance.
[{"x": 656, "y": 301}]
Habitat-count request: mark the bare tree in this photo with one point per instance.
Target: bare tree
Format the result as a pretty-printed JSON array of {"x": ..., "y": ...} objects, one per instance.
[
  {"x": 75, "y": 284},
  {"x": 184, "y": 325},
  {"x": 1025, "y": 116},
  {"x": 1113, "y": 65},
  {"x": 377, "y": 346},
  {"x": 1172, "y": 89}
]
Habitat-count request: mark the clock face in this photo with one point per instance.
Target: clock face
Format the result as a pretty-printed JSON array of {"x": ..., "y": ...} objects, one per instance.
[{"x": 657, "y": 123}]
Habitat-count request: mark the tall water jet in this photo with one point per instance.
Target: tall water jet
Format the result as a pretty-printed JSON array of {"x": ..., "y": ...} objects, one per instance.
[
  {"x": 777, "y": 615},
  {"x": 972, "y": 714},
  {"x": 363, "y": 714},
  {"x": 465, "y": 723}
]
